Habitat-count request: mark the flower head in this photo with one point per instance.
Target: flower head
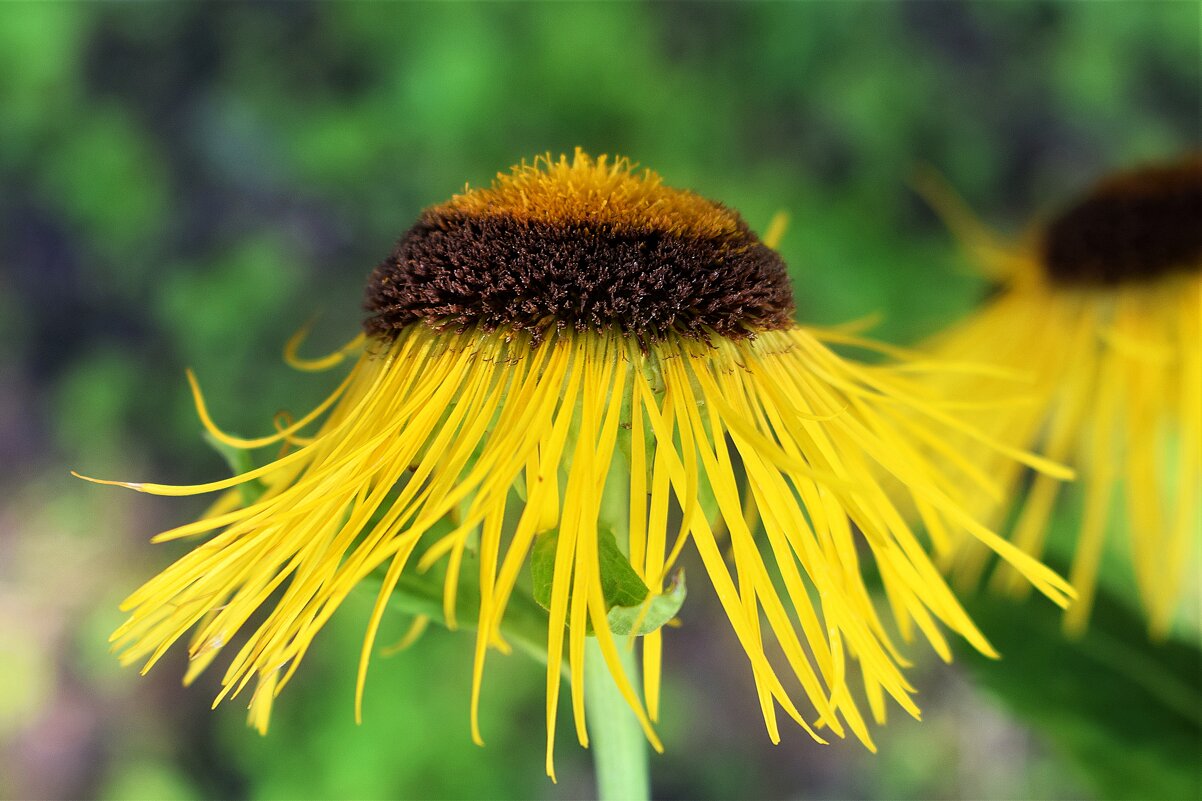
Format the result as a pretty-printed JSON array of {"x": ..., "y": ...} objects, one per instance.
[
  {"x": 577, "y": 362},
  {"x": 1101, "y": 309}
]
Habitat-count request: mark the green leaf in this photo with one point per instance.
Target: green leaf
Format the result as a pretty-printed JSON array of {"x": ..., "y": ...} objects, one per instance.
[
  {"x": 542, "y": 567},
  {"x": 1125, "y": 711},
  {"x": 620, "y": 584},
  {"x": 660, "y": 609},
  {"x": 624, "y": 591},
  {"x": 240, "y": 462}
]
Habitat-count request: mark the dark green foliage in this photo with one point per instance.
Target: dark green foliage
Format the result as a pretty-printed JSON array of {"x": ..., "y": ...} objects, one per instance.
[{"x": 1124, "y": 712}]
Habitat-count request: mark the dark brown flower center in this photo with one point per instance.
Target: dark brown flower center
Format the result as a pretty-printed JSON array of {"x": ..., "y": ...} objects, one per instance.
[
  {"x": 1135, "y": 227},
  {"x": 585, "y": 246}
]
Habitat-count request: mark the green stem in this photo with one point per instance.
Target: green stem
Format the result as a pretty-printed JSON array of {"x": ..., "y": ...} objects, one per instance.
[{"x": 615, "y": 737}]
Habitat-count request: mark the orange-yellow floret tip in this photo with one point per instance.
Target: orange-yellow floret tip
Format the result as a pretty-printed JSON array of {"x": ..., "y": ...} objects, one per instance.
[{"x": 596, "y": 190}]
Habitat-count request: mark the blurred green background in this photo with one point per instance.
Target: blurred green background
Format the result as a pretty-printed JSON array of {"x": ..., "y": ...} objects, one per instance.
[{"x": 185, "y": 184}]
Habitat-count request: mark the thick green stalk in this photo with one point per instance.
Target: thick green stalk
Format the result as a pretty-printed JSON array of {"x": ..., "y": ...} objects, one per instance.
[{"x": 615, "y": 737}]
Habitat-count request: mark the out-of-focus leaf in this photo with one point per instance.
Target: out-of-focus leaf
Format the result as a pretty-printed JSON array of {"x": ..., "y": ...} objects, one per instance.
[
  {"x": 240, "y": 462},
  {"x": 1126, "y": 712},
  {"x": 417, "y": 593}
]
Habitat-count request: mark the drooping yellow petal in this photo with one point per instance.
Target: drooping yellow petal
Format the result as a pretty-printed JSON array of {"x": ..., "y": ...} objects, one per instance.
[{"x": 773, "y": 437}]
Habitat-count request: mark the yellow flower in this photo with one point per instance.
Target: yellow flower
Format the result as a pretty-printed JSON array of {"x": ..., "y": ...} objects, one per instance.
[
  {"x": 1100, "y": 308},
  {"x": 517, "y": 338}
]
